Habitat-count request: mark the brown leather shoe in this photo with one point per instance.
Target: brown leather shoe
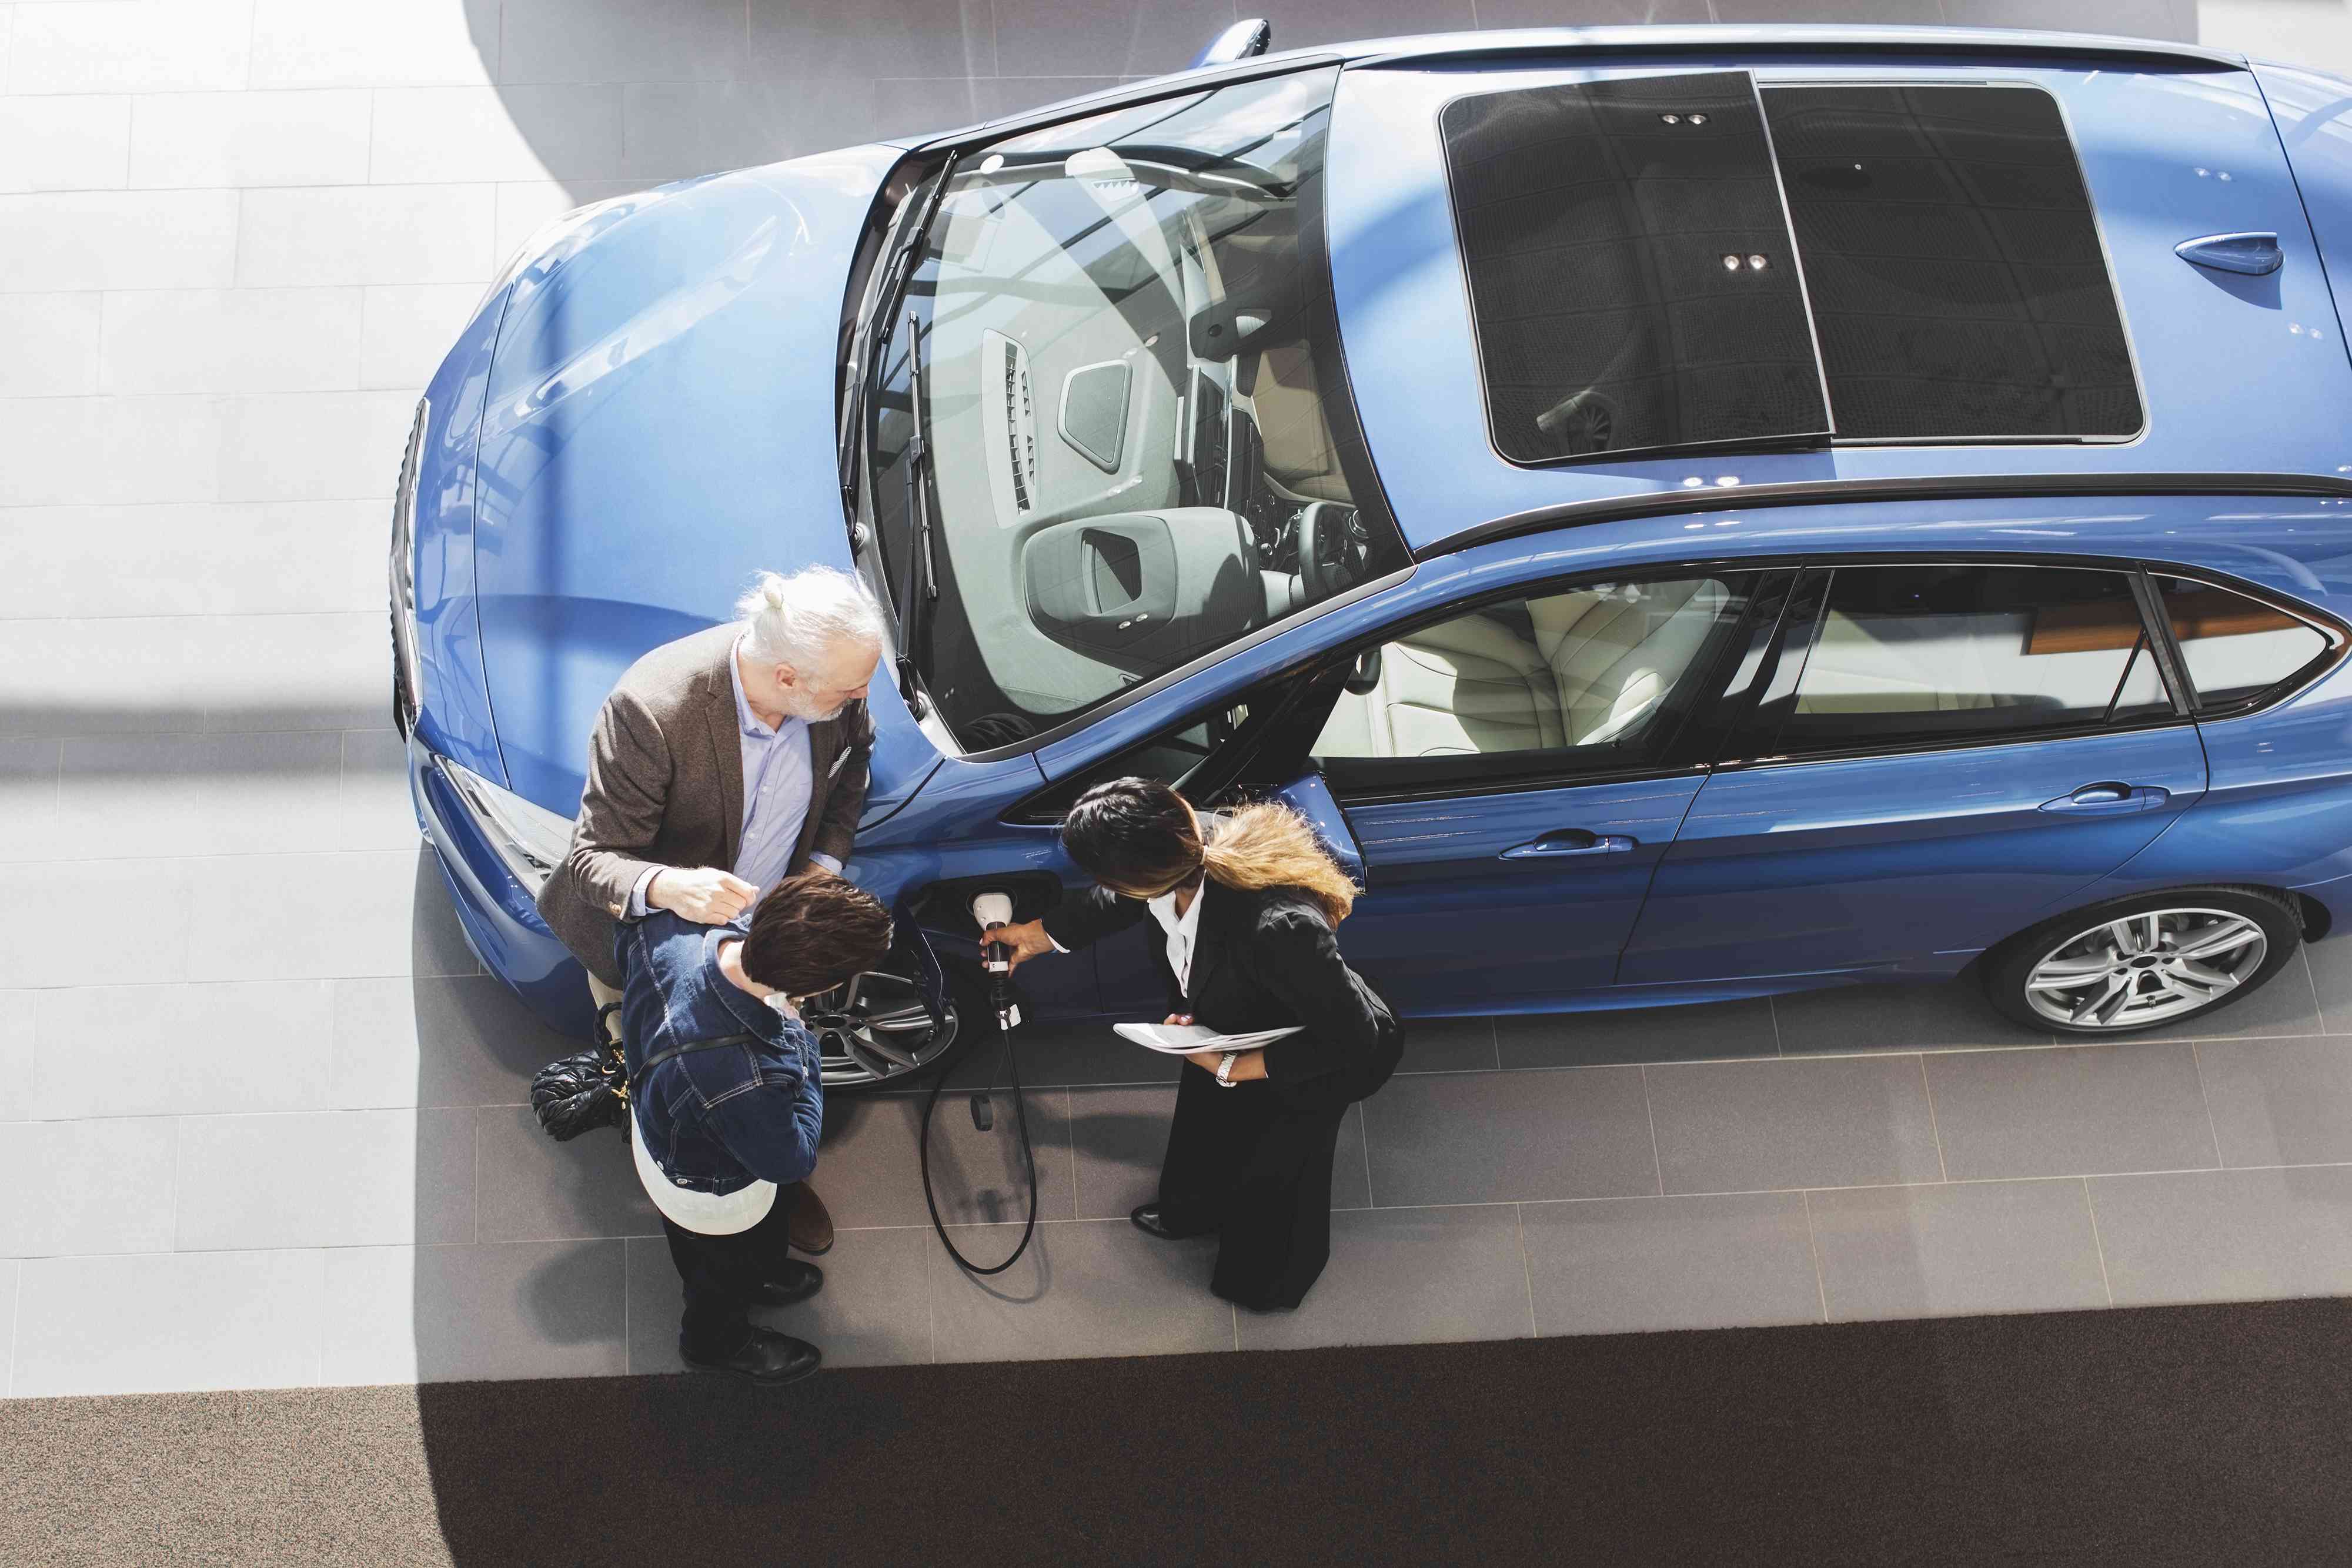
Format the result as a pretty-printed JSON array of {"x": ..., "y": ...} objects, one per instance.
[{"x": 810, "y": 1228}]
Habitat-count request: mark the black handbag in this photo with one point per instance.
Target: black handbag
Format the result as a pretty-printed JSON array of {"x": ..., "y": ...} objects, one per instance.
[
  {"x": 590, "y": 1089},
  {"x": 586, "y": 1091}
]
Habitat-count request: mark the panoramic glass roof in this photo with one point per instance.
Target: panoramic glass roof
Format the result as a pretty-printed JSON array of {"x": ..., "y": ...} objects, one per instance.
[{"x": 1674, "y": 262}]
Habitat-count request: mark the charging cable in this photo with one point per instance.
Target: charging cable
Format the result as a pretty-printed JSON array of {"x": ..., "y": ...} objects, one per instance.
[{"x": 996, "y": 959}]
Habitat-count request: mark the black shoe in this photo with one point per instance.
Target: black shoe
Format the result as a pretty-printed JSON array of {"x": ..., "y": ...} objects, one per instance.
[
  {"x": 765, "y": 1358},
  {"x": 1148, "y": 1220},
  {"x": 794, "y": 1282}
]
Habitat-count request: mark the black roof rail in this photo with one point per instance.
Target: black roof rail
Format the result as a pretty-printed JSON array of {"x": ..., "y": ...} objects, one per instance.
[
  {"x": 1805, "y": 38},
  {"x": 1828, "y": 491}
]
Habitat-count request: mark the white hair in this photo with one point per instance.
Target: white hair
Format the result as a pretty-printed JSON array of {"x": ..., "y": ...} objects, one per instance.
[{"x": 797, "y": 619}]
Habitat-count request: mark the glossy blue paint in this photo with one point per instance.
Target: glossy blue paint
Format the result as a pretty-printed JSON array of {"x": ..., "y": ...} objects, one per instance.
[
  {"x": 659, "y": 424},
  {"x": 2314, "y": 113},
  {"x": 659, "y": 428},
  {"x": 454, "y": 713},
  {"x": 1311, "y": 798},
  {"x": 2234, "y": 379},
  {"x": 2278, "y": 810},
  {"x": 954, "y": 830},
  {"x": 1803, "y": 867},
  {"x": 1448, "y": 921},
  {"x": 505, "y": 930}
]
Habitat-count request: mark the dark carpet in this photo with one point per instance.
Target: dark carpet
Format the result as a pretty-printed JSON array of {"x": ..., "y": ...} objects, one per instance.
[{"x": 2195, "y": 1435}]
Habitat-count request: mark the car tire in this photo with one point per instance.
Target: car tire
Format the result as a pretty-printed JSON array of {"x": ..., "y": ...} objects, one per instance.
[{"x": 2154, "y": 959}]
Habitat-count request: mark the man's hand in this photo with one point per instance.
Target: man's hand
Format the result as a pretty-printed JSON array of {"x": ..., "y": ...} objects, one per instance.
[
  {"x": 1028, "y": 940},
  {"x": 701, "y": 893}
]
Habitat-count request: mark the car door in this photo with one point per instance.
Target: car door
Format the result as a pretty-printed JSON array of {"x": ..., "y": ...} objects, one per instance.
[
  {"x": 1512, "y": 773},
  {"x": 1940, "y": 755}
]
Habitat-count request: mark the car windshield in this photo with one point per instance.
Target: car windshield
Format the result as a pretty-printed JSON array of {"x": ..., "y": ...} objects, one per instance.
[{"x": 1116, "y": 347}]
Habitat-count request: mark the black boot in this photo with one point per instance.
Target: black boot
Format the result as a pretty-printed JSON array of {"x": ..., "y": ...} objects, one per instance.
[{"x": 764, "y": 1357}]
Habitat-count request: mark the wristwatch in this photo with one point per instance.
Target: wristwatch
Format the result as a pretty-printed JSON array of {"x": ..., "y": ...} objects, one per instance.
[{"x": 1226, "y": 1071}]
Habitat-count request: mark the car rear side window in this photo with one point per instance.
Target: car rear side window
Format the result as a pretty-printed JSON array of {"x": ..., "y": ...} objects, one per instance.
[
  {"x": 1957, "y": 285},
  {"x": 1905, "y": 655},
  {"x": 2236, "y": 649}
]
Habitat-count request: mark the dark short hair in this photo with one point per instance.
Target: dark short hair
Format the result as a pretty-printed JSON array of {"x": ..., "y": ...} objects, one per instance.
[
  {"x": 813, "y": 932},
  {"x": 1135, "y": 835}
]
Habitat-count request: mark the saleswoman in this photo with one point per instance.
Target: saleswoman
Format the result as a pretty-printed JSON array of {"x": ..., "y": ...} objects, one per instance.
[{"x": 1249, "y": 915}]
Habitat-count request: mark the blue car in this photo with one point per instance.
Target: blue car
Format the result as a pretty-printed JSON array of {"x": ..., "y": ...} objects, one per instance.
[{"x": 1688, "y": 513}]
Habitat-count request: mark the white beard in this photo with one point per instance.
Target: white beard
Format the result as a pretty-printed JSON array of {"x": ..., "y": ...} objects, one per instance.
[{"x": 801, "y": 711}]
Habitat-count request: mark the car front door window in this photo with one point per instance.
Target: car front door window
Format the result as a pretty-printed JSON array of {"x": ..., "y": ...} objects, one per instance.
[{"x": 1581, "y": 680}]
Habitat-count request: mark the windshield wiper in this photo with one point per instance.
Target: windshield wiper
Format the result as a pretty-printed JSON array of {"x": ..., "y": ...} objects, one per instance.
[
  {"x": 875, "y": 333},
  {"x": 921, "y": 586}
]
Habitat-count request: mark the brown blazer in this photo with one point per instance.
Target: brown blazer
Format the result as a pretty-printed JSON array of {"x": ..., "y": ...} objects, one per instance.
[{"x": 665, "y": 788}]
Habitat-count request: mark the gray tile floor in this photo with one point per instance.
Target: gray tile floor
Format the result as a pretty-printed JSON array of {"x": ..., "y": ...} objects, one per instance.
[{"x": 263, "y": 1122}]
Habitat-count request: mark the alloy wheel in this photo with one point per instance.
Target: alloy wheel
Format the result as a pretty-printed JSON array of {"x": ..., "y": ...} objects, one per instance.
[
  {"x": 875, "y": 1028},
  {"x": 2146, "y": 968}
]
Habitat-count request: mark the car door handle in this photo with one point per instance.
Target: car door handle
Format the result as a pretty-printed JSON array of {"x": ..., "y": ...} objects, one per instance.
[
  {"x": 1569, "y": 842},
  {"x": 2255, "y": 255},
  {"x": 2109, "y": 798}
]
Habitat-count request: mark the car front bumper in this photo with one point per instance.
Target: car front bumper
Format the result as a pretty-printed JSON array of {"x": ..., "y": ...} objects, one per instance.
[{"x": 499, "y": 916}]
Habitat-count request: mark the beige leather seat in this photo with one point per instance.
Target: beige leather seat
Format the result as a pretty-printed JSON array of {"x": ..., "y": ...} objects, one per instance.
[
  {"x": 1586, "y": 668},
  {"x": 1291, "y": 425}
]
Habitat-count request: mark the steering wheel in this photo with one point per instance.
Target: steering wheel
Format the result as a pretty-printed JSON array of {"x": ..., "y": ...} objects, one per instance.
[{"x": 1335, "y": 549}]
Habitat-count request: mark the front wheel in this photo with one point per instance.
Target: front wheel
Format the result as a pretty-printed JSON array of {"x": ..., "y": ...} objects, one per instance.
[
  {"x": 877, "y": 1031},
  {"x": 2153, "y": 958}
]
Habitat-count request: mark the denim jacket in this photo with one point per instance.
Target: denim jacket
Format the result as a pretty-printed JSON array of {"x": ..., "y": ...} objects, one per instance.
[{"x": 717, "y": 1120}]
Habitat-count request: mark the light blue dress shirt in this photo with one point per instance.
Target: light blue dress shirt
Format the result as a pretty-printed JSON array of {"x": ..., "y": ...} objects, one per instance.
[{"x": 777, "y": 776}]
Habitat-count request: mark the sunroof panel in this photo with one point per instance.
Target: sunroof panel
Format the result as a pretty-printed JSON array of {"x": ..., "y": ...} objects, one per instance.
[
  {"x": 1959, "y": 288},
  {"x": 1632, "y": 279}
]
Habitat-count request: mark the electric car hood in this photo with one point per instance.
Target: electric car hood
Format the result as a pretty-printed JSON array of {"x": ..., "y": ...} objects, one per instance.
[{"x": 659, "y": 427}]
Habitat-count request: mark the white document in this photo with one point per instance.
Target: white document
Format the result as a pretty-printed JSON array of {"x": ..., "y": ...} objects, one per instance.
[{"x": 1184, "y": 1038}]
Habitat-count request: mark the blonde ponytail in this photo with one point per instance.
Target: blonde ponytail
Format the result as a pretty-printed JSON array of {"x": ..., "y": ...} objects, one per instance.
[{"x": 1270, "y": 846}]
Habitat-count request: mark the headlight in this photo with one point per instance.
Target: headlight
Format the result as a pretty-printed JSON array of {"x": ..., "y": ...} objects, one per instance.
[
  {"x": 408, "y": 676},
  {"x": 529, "y": 839}
]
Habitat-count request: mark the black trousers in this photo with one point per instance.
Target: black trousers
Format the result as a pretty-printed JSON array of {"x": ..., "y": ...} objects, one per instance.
[
  {"x": 721, "y": 1271},
  {"x": 1255, "y": 1169}
]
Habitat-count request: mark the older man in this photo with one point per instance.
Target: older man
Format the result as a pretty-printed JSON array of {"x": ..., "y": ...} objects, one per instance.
[{"x": 722, "y": 763}]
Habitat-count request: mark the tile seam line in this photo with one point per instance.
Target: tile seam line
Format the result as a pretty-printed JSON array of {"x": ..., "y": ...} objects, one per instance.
[
  {"x": 2204, "y": 1098},
  {"x": 1729, "y": 1192},
  {"x": 200, "y": 614},
  {"x": 2098, "y": 1244},
  {"x": 2311, "y": 977},
  {"x": 1649, "y": 1114},
  {"x": 1935, "y": 1127},
  {"x": 1813, "y": 1244},
  {"x": 1527, "y": 1268}
]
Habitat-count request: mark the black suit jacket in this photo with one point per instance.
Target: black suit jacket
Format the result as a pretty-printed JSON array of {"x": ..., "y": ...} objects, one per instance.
[{"x": 1265, "y": 958}]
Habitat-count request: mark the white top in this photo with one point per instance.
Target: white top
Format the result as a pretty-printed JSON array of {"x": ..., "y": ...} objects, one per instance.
[
  {"x": 704, "y": 1213},
  {"x": 1183, "y": 930}
]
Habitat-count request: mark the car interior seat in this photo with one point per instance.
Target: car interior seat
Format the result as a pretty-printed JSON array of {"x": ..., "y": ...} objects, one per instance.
[
  {"x": 1572, "y": 669},
  {"x": 1293, "y": 432}
]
